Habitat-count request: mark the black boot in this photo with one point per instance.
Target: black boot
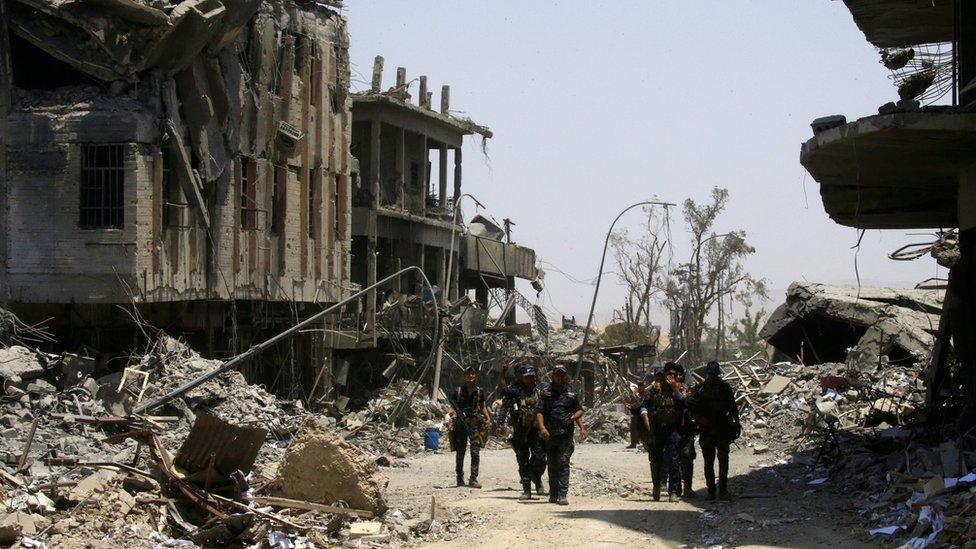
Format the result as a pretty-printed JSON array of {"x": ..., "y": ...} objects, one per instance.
[
  {"x": 656, "y": 494},
  {"x": 460, "y": 481},
  {"x": 526, "y": 492},
  {"x": 723, "y": 490},
  {"x": 687, "y": 492}
]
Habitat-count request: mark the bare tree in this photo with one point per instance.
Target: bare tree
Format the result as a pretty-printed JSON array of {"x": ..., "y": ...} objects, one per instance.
[
  {"x": 638, "y": 269},
  {"x": 713, "y": 272}
]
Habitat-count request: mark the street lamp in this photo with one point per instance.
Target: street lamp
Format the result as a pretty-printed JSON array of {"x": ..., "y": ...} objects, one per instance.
[
  {"x": 599, "y": 276},
  {"x": 447, "y": 290}
]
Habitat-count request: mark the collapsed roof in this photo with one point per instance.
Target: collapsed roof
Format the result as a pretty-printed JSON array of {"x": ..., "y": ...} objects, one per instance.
[
  {"x": 116, "y": 39},
  {"x": 821, "y": 323}
]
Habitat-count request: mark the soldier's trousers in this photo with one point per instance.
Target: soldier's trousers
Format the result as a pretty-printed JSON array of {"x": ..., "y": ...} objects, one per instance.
[
  {"x": 460, "y": 445},
  {"x": 653, "y": 457},
  {"x": 667, "y": 447},
  {"x": 713, "y": 446},
  {"x": 559, "y": 450},
  {"x": 688, "y": 456},
  {"x": 530, "y": 453}
]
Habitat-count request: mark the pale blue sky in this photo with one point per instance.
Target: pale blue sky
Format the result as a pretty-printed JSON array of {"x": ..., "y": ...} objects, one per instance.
[{"x": 598, "y": 104}]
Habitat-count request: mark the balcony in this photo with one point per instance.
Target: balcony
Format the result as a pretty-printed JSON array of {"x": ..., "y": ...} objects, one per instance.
[{"x": 895, "y": 171}]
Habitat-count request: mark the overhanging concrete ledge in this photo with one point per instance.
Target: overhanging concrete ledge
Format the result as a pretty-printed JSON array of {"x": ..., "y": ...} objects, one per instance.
[{"x": 893, "y": 171}]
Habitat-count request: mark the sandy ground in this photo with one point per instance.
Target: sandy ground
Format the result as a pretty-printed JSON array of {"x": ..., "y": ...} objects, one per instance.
[{"x": 774, "y": 508}]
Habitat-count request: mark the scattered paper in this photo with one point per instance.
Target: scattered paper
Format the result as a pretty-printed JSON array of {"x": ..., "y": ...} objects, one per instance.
[{"x": 885, "y": 531}]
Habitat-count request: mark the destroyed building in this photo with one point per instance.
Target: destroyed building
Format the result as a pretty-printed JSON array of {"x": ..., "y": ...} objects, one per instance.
[
  {"x": 858, "y": 326},
  {"x": 406, "y": 212},
  {"x": 191, "y": 159},
  {"x": 911, "y": 166}
]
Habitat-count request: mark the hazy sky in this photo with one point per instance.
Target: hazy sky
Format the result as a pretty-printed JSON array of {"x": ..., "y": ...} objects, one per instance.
[{"x": 596, "y": 105}]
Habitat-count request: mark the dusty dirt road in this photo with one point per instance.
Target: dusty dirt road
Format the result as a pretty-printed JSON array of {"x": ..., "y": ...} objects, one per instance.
[{"x": 775, "y": 507}]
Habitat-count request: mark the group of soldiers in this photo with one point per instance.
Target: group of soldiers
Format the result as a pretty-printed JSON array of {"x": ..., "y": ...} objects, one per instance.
[{"x": 667, "y": 417}]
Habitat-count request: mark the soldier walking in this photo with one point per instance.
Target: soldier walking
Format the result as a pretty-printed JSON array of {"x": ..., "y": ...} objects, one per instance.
[
  {"x": 662, "y": 412},
  {"x": 521, "y": 401},
  {"x": 688, "y": 432},
  {"x": 657, "y": 379},
  {"x": 470, "y": 420},
  {"x": 713, "y": 403},
  {"x": 559, "y": 410}
]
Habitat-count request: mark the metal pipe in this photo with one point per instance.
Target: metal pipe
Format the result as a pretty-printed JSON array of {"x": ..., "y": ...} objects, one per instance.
[
  {"x": 260, "y": 347},
  {"x": 599, "y": 277},
  {"x": 447, "y": 291}
]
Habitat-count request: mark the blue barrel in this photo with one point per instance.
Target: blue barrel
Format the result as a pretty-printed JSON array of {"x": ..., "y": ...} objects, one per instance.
[{"x": 432, "y": 438}]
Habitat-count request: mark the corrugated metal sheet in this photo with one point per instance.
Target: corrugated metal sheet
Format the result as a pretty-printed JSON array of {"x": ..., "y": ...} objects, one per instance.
[{"x": 230, "y": 447}]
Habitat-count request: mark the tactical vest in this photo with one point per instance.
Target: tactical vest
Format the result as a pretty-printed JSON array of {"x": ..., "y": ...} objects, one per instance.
[
  {"x": 524, "y": 409},
  {"x": 666, "y": 409}
]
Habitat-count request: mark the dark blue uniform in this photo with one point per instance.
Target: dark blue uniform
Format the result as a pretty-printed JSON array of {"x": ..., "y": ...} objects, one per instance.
[
  {"x": 521, "y": 403},
  {"x": 557, "y": 405},
  {"x": 466, "y": 426},
  {"x": 715, "y": 410},
  {"x": 665, "y": 409}
]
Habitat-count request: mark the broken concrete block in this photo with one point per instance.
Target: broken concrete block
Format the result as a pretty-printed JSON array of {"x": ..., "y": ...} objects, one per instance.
[
  {"x": 951, "y": 460},
  {"x": 321, "y": 467},
  {"x": 364, "y": 528},
  {"x": 20, "y": 363},
  {"x": 933, "y": 485},
  {"x": 776, "y": 385}
]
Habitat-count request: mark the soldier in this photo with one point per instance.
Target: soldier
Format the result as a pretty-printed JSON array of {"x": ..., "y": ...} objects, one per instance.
[
  {"x": 559, "y": 410},
  {"x": 636, "y": 424},
  {"x": 470, "y": 417},
  {"x": 657, "y": 379},
  {"x": 713, "y": 403},
  {"x": 688, "y": 455},
  {"x": 662, "y": 412},
  {"x": 521, "y": 400}
]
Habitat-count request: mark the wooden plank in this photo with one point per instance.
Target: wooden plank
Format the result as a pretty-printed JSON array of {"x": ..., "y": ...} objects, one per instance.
[{"x": 309, "y": 506}]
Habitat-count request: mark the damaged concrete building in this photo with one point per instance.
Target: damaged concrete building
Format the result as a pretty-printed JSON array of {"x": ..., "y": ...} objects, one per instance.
[
  {"x": 911, "y": 166},
  {"x": 864, "y": 327},
  {"x": 204, "y": 166},
  {"x": 406, "y": 212},
  {"x": 189, "y": 161}
]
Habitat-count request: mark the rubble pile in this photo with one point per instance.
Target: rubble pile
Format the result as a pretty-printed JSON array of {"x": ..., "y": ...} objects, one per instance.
[
  {"x": 859, "y": 427},
  {"x": 225, "y": 463},
  {"x": 323, "y": 468},
  {"x": 406, "y": 403},
  {"x": 607, "y": 423}
]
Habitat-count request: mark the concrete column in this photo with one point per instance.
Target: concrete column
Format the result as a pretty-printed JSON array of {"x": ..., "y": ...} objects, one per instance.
[
  {"x": 374, "y": 174},
  {"x": 402, "y": 168},
  {"x": 445, "y": 99},
  {"x": 424, "y": 179},
  {"x": 457, "y": 174},
  {"x": 442, "y": 177},
  {"x": 422, "y": 99},
  {"x": 377, "y": 83},
  {"x": 401, "y": 80}
]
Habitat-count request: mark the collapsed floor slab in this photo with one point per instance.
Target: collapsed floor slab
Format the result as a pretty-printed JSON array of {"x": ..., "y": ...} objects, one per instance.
[{"x": 820, "y": 323}]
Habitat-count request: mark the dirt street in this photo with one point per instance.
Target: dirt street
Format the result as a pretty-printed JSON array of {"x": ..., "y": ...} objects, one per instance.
[{"x": 771, "y": 510}]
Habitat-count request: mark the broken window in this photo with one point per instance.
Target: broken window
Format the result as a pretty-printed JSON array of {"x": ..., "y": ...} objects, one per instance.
[
  {"x": 102, "y": 187},
  {"x": 249, "y": 203}
]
